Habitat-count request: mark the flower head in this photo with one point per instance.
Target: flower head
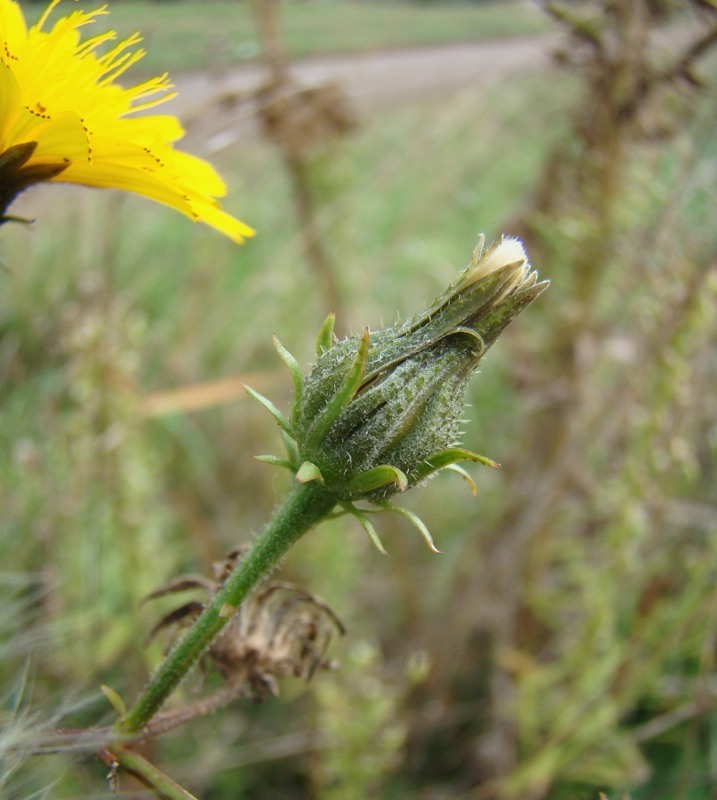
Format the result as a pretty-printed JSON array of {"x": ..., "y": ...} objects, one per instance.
[
  {"x": 280, "y": 630},
  {"x": 63, "y": 117},
  {"x": 380, "y": 412}
]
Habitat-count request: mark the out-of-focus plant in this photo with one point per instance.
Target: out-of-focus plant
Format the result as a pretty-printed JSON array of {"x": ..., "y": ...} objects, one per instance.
[
  {"x": 362, "y": 750},
  {"x": 66, "y": 118},
  {"x": 594, "y": 603},
  {"x": 100, "y": 447},
  {"x": 303, "y": 122}
]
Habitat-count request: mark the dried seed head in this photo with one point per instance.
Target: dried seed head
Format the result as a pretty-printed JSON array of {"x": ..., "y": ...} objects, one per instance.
[{"x": 279, "y": 631}]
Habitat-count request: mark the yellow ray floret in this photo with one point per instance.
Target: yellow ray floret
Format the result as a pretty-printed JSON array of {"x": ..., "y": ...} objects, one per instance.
[{"x": 63, "y": 118}]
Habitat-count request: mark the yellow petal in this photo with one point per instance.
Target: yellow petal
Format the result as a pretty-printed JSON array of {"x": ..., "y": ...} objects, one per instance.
[
  {"x": 12, "y": 26},
  {"x": 106, "y": 174},
  {"x": 60, "y": 93},
  {"x": 9, "y": 101},
  {"x": 63, "y": 138}
]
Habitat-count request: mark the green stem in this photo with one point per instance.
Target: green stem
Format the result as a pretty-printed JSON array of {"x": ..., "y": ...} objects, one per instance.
[
  {"x": 165, "y": 788},
  {"x": 305, "y": 505}
]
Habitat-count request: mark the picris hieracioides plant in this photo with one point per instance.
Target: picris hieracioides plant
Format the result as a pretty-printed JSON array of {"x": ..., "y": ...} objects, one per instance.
[{"x": 380, "y": 411}]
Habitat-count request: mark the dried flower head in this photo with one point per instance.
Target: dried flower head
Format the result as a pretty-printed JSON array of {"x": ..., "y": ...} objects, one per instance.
[
  {"x": 380, "y": 411},
  {"x": 279, "y": 631},
  {"x": 65, "y": 118}
]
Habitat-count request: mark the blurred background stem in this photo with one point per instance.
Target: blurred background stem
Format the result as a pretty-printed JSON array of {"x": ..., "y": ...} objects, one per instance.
[{"x": 293, "y": 151}]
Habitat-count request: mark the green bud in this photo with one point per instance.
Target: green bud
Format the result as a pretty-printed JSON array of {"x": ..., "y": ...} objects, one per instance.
[{"x": 379, "y": 412}]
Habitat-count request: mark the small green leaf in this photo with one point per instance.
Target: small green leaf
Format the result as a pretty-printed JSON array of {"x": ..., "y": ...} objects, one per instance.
[
  {"x": 309, "y": 472},
  {"x": 325, "y": 339},
  {"x": 417, "y": 521},
  {"x": 344, "y": 394},
  {"x": 275, "y": 461},
  {"x": 271, "y": 408},
  {"x": 294, "y": 369},
  {"x": 375, "y": 478},
  {"x": 366, "y": 524},
  {"x": 115, "y": 700}
]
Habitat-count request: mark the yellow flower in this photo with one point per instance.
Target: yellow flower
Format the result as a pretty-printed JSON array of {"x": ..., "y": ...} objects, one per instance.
[{"x": 63, "y": 117}]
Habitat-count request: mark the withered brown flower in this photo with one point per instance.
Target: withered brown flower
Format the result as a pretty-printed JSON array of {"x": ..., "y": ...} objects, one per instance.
[{"x": 279, "y": 631}]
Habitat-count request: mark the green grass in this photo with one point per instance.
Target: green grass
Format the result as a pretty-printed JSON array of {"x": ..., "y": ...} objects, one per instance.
[{"x": 191, "y": 35}]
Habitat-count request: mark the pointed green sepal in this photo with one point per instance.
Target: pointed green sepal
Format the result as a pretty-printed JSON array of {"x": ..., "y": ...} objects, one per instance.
[
  {"x": 282, "y": 421},
  {"x": 293, "y": 366},
  {"x": 14, "y": 157},
  {"x": 325, "y": 339},
  {"x": 348, "y": 388},
  {"x": 466, "y": 477},
  {"x": 444, "y": 459},
  {"x": 473, "y": 334},
  {"x": 115, "y": 700},
  {"x": 366, "y": 524},
  {"x": 183, "y": 583},
  {"x": 291, "y": 449},
  {"x": 309, "y": 472},
  {"x": 275, "y": 461},
  {"x": 417, "y": 522},
  {"x": 377, "y": 477},
  {"x": 20, "y": 220}
]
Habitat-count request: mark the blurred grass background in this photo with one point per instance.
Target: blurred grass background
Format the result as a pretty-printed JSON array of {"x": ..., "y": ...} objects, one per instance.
[
  {"x": 549, "y": 680},
  {"x": 192, "y": 35}
]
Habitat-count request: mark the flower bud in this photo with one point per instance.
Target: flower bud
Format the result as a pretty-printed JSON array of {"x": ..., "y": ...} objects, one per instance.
[
  {"x": 406, "y": 403},
  {"x": 380, "y": 412}
]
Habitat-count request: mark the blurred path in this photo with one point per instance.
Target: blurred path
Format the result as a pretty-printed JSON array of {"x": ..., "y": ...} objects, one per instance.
[{"x": 213, "y": 105}]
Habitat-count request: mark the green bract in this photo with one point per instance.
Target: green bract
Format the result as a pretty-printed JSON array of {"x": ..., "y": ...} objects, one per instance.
[{"x": 380, "y": 411}]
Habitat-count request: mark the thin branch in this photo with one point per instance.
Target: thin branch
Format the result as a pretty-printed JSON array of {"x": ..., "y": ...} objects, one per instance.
[
  {"x": 679, "y": 69},
  {"x": 121, "y": 758},
  {"x": 579, "y": 27},
  {"x": 698, "y": 48},
  {"x": 169, "y": 720},
  {"x": 89, "y": 740}
]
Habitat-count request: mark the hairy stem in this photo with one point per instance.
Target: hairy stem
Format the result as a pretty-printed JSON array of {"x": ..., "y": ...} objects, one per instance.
[
  {"x": 145, "y": 772},
  {"x": 305, "y": 505}
]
